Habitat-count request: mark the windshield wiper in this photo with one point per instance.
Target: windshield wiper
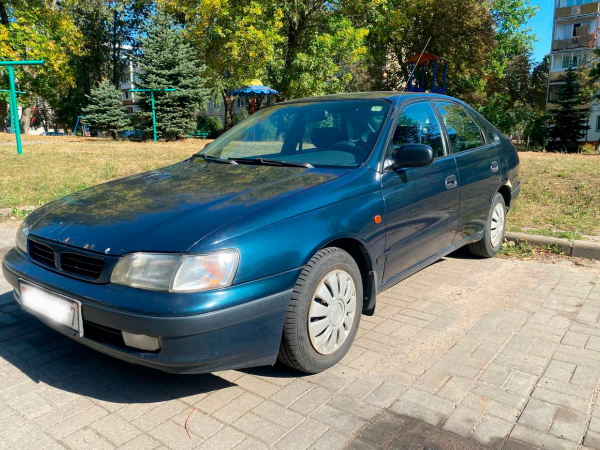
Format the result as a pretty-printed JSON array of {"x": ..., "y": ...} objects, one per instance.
[
  {"x": 213, "y": 158},
  {"x": 270, "y": 162}
]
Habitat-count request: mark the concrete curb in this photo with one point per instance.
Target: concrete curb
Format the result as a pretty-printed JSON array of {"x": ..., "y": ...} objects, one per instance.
[{"x": 580, "y": 249}]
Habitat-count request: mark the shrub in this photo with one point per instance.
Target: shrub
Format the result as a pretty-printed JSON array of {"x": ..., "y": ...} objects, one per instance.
[{"x": 212, "y": 125}]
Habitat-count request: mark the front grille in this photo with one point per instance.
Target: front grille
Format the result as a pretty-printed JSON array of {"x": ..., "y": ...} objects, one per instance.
[
  {"x": 85, "y": 266},
  {"x": 41, "y": 253}
]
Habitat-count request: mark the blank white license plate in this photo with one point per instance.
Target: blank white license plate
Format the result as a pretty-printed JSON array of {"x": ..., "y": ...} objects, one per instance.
[{"x": 54, "y": 307}]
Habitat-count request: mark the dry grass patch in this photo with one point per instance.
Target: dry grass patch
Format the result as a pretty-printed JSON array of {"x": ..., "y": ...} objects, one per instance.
[
  {"x": 51, "y": 166},
  {"x": 560, "y": 193}
]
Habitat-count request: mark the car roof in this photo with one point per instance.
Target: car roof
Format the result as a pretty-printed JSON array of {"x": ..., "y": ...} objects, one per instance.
[{"x": 394, "y": 97}]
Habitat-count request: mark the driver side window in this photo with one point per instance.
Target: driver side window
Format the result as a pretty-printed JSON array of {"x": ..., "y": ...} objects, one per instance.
[{"x": 418, "y": 124}]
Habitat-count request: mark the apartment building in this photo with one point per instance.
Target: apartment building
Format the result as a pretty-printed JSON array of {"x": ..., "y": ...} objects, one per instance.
[
  {"x": 574, "y": 37},
  {"x": 130, "y": 80}
]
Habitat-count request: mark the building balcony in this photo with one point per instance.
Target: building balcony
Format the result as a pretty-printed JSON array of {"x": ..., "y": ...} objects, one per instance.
[
  {"x": 579, "y": 10},
  {"x": 585, "y": 41}
]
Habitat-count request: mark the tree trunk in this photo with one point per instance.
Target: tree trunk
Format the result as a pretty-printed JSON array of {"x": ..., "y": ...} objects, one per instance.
[
  {"x": 25, "y": 120},
  {"x": 228, "y": 102},
  {"x": 3, "y": 115}
]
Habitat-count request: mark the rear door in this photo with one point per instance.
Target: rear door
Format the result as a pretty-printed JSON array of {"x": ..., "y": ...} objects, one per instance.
[
  {"x": 421, "y": 202},
  {"x": 478, "y": 167}
]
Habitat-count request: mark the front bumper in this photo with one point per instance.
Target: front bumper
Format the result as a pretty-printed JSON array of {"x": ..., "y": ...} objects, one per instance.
[{"x": 238, "y": 327}]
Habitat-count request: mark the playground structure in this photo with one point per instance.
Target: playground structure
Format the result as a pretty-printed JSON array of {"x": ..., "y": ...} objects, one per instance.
[
  {"x": 14, "y": 108},
  {"x": 85, "y": 131},
  {"x": 152, "y": 91},
  {"x": 419, "y": 64}
]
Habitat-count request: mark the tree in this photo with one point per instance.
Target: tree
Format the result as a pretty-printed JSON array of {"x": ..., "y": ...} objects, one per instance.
[
  {"x": 38, "y": 29},
  {"x": 568, "y": 122},
  {"x": 105, "y": 110},
  {"x": 318, "y": 51},
  {"x": 167, "y": 62},
  {"x": 235, "y": 40}
]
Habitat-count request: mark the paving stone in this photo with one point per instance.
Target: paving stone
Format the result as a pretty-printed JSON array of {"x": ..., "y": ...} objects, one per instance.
[
  {"x": 331, "y": 440},
  {"x": 419, "y": 412},
  {"x": 499, "y": 395},
  {"x": 492, "y": 431},
  {"x": 463, "y": 421},
  {"x": 560, "y": 370},
  {"x": 302, "y": 436},
  {"x": 569, "y": 425},
  {"x": 575, "y": 339},
  {"x": 76, "y": 422},
  {"x": 199, "y": 423},
  {"x": 538, "y": 415},
  {"x": 260, "y": 428},
  {"x": 224, "y": 439},
  {"x": 433, "y": 402},
  {"x": 116, "y": 429},
  {"x": 455, "y": 389},
  {"x": 177, "y": 437},
  {"x": 359, "y": 409},
  {"x": 561, "y": 399},
  {"x": 496, "y": 374},
  {"x": 455, "y": 368},
  {"x": 278, "y": 414},
  {"x": 28, "y": 436},
  {"x": 141, "y": 442},
  {"x": 565, "y": 388},
  {"x": 339, "y": 419},
  {"x": 385, "y": 394},
  {"x": 592, "y": 440},
  {"x": 250, "y": 444},
  {"x": 543, "y": 348},
  {"x": 432, "y": 380},
  {"x": 313, "y": 399},
  {"x": 487, "y": 406},
  {"x": 87, "y": 439},
  {"x": 292, "y": 392},
  {"x": 257, "y": 386},
  {"x": 159, "y": 414},
  {"x": 520, "y": 383},
  {"x": 584, "y": 376},
  {"x": 537, "y": 439},
  {"x": 218, "y": 399}
]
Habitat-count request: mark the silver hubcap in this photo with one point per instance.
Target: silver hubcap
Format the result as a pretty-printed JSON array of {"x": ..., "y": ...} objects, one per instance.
[
  {"x": 331, "y": 313},
  {"x": 497, "y": 225}
]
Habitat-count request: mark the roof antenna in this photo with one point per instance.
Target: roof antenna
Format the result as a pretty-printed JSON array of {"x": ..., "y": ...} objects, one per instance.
[{"x": 415, "y": 67}]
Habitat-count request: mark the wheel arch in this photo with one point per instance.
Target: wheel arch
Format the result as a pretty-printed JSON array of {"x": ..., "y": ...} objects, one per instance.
[
  {"x": 506, "y": 193},
  {"x": 361, "y": 255}
]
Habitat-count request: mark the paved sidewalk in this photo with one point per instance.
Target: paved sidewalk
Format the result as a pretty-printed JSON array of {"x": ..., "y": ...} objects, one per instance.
[{"x": 465, "y": 354}]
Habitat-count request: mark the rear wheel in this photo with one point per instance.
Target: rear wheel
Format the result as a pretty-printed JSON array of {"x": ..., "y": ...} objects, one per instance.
[
  {"x": 493, "y": 235},
  {"x": 324, "y": 312}
]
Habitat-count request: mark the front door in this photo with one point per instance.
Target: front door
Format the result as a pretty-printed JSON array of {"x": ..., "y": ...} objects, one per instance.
[
  {"x": 478, "y": 168},
  {"x": 421, "y": 202}
]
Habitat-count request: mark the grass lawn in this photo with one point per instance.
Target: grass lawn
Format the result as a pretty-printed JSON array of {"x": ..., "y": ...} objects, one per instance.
[
  {"x": 560, "y": 195},
  {"x": 53, "y": 166}
]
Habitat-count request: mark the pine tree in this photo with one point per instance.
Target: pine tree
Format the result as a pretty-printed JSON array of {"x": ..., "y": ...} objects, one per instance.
[
  {"x": 105, "y": 110},
  {"x": 167, "y": 61},
  {"x": 568, "y": 122}
]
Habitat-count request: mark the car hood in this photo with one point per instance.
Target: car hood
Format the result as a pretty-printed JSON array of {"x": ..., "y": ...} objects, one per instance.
[{"x": 170, "y": 209}]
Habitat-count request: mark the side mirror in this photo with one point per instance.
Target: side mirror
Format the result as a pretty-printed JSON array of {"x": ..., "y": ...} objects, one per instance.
[{"x": 412, "y": 155}]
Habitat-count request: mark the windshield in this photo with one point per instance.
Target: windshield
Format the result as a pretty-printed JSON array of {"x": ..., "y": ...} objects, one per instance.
[{"x": 335, "y": 133}]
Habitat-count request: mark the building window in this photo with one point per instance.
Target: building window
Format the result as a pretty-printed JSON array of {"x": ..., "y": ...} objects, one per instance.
[
  {"x": 126, "y": 95},
  {"x": 597, "y": 123},
  {"x": 553, "y": 93},
  {"x": 563, "y": 3}
]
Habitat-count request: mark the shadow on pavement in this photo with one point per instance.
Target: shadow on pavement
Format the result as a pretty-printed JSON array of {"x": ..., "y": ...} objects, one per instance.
[{"x": 46, "y": 356}]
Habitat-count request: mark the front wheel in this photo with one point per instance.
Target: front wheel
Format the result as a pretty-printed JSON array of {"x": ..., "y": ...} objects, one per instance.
[
  {"x": 493, "y": 235},
  {"x": 324, "y": 312}
]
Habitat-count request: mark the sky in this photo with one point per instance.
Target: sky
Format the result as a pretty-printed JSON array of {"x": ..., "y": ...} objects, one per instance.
[{"x": 542, "y": 27}]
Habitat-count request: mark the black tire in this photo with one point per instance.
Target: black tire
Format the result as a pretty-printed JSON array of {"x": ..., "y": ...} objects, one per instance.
[
  {"x": 484, "y": 247},
  {"x": 296, "y": 349}
]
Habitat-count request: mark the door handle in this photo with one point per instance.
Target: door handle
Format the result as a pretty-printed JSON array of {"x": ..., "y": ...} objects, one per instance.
[
  {"x": 451, "y": 182},
  {"x": 494, "y": 166}
]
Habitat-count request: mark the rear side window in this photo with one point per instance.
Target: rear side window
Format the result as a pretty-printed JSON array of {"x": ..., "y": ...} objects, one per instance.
[
  {"x": 463, "y": 132},
  {"x": 418, "y": 124}
]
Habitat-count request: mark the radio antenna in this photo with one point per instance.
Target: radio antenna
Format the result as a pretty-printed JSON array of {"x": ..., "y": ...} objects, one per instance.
[{"x": 415, "y": 67}]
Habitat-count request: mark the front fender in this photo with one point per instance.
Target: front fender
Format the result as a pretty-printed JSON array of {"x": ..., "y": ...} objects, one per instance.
[{"x": 344, "y": 208}]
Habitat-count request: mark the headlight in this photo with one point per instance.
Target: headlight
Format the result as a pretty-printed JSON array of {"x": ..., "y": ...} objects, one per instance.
[
  {"x": 177, "y": 273},
  {"x": 22, "y": 234}
]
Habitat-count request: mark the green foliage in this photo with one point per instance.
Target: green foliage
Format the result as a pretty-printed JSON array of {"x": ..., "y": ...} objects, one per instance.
[
  {"x": 105, "y": 110},
  {"x": 209, "y": 124},
  {"x": 568, "y": 122},
  {"x": 167, "y": 62}
]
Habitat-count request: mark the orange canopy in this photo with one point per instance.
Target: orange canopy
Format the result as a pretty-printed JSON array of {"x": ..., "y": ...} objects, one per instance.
[{"x": 426, "y": 59}]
